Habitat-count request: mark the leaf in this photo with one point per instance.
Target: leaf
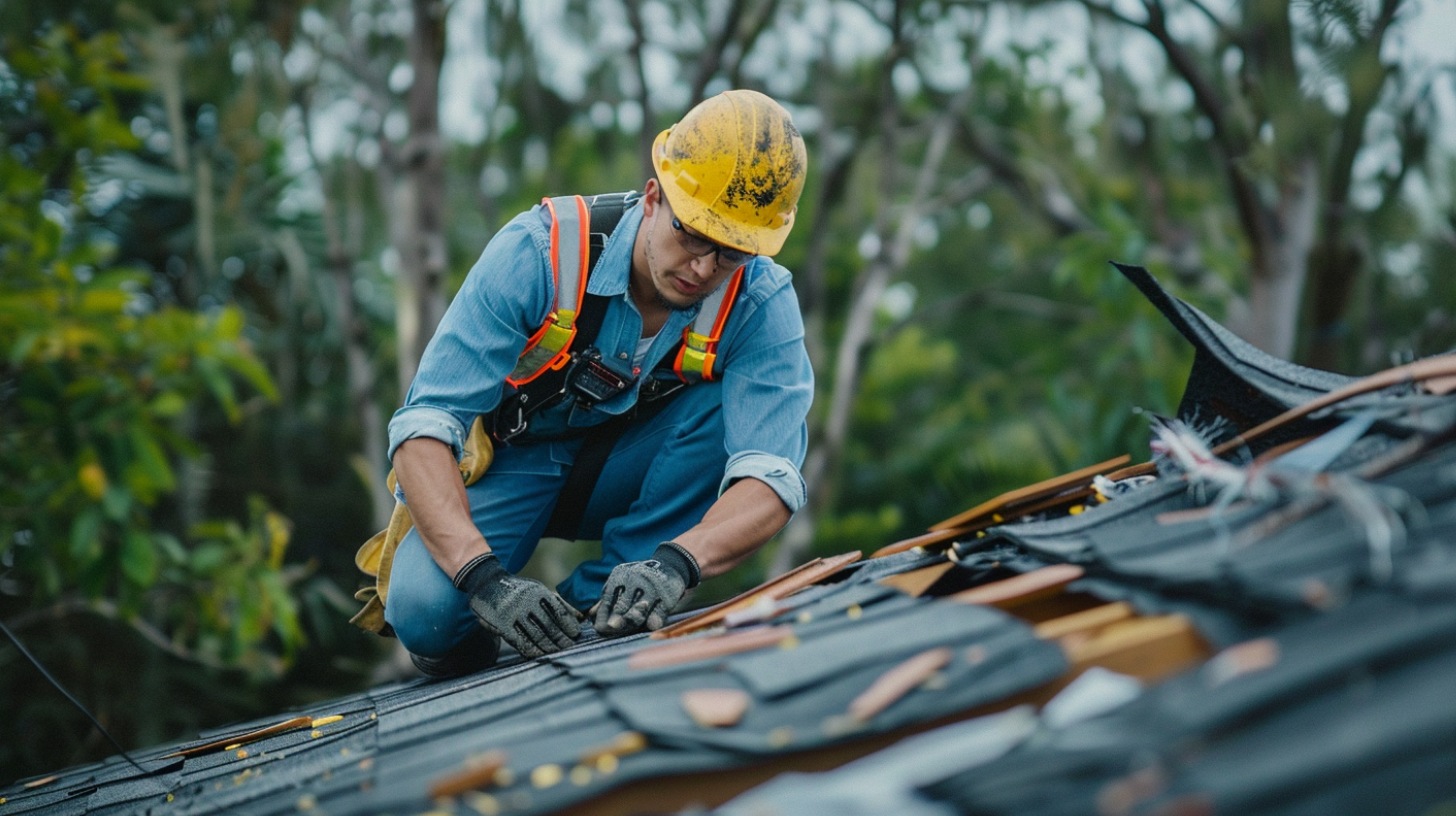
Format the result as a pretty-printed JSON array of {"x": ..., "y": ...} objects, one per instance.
[
  {"x": 220, "y": 386},
  {"x": 229, "y": 323},
  {"x": 139, "y": 558},
  {"x": 170, "y": 546},
  {"x": 117, "y": 503},
  {"x": 253, "y": 371},
  {"x": 208, "y": 557},
  {"x": 23, "y": 346},
  {"x": 168, "y": 404},
  {"x": 93, "y": 480},
  {"x": 86, "y": 535},
  {"x": 279, "y": 529},
  {"x": 151, "y": 459}
]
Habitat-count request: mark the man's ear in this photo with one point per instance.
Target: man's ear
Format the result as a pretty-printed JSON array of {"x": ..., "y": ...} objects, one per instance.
[{"x": 651, "y": 197}]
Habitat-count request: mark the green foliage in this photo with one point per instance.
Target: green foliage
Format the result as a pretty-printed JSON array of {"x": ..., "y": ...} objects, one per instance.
[{"x": 98, "y": 387}]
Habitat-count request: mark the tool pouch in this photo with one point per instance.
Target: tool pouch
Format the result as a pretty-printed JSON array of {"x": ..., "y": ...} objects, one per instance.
[{"x": 376, "y": 557}]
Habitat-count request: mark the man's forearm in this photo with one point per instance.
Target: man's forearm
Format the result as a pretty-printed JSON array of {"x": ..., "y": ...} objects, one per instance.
[
  {"x": 746, "y": 516},
  {"x": 430, "y": 477}
]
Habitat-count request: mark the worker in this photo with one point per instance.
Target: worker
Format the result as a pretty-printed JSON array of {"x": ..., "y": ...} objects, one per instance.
[{"x": 705, "y": 425}]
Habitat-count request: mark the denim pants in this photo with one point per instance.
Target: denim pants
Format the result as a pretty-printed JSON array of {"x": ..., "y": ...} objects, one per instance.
[{"x": 660, "y": 480}]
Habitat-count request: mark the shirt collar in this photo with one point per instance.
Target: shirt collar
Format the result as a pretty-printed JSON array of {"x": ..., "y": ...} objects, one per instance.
[
  {"x": 615, "y": 266},
  {"x": 614, "y": 269}
]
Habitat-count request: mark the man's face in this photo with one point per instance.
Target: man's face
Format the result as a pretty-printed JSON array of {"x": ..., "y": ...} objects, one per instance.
[{"x": 682, "y": 264}]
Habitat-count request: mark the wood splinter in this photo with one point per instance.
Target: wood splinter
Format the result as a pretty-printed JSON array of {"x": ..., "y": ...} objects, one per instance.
[
  {"x": 715, "y": 708},
  {"x": 478, "y": 773},
  {"x": 897, "y": 682}
]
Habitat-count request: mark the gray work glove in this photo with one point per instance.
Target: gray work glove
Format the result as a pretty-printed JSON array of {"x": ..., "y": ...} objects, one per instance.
[
  {"x": 642, "y": 594},
  {"x": 527, "y": 615}
]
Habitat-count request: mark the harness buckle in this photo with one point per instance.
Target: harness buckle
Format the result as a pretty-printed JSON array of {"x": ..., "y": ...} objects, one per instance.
[
  {"x": 518, "y": 425},
  {"x": 654, "y": 389}
]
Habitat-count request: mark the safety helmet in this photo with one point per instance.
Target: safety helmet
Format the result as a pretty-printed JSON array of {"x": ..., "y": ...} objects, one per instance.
[{"x": 733, "y": 169}]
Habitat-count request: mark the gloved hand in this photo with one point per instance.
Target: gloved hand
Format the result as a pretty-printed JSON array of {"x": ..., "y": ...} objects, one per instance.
[
  {"x": 643, "y": 593},
  {"x": 527, "y": 615}
]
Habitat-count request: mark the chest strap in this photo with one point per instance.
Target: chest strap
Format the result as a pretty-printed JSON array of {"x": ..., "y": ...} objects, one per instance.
[
  {"x": 549, "y": 349},
  {"x": 699, "y": 350}
]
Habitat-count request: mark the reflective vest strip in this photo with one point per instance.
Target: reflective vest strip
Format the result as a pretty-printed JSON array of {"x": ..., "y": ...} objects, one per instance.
[
  {"x": 700, "y": 340},
  {"x": 549, "y": 347}
]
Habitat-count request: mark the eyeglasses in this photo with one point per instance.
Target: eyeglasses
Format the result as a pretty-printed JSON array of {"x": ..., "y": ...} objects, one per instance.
[{"x": 701, "y": 247}]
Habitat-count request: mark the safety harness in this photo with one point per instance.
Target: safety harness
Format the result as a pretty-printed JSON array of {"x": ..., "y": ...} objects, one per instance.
[{"x": 559, "y": 362}]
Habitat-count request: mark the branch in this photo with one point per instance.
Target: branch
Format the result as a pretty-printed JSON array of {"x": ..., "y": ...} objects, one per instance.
[
  {"x": 1223, "y": 30},
  {"x": 645, "y": 135},
  {"x": 1252, "y": 213},
  {"x": 108, "y": 610},
  {"x": 1062, "y": 220},
  {"x": 756, "y": 25},
  {"x": 712, "y": 57}
]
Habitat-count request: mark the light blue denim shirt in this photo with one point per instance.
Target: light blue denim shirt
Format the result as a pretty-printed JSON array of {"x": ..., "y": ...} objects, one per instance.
[{"x": 767, "y": 381}]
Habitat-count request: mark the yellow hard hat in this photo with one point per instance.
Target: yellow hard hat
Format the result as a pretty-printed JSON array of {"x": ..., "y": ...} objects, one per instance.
[{"x": 733, "y": 169}]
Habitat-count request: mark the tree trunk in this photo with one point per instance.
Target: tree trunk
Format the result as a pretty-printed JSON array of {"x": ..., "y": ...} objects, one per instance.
[
  {"x": 417, "y": 200},
  {"x": 1281, "y": 264},
  {"x": 1335, "y": 264}
]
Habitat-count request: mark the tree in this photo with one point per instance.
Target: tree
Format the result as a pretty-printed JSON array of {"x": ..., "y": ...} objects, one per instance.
[{"x": 94, "y": 386}]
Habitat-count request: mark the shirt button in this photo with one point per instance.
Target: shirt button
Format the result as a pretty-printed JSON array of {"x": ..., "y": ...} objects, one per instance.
[{"x": 621, "y": 355}]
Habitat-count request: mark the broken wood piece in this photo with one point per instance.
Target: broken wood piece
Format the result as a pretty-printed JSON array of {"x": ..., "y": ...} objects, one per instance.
[
  {"x": 628, "y": 742},
  {"x": 897, "y": 682},
  {"x": 1132, "y": 471},
  {"x": 478, "y": 773},
  {"x": 1441, "y": 386},
  {"x": 927, "y": 540},
  {"x": 1031, "y": 493},
  {"x": 737, "y": 603},
  {"x": 40, "y": 783},
  {"x": 916, "y": 582},
  {"x": 774, "y": 589},
  {"x": 1146, "y": 648},
  {"x": 1084, "y": 622},
  {"x": 1240, "y": 659},
  {"x": 715, "y": 708},
  {"x": 1026, "y": 587},
  {"x": 703, "y": 648},
  {"x": 1057, "y": 500},
  {"x": 243, "y": 739}
]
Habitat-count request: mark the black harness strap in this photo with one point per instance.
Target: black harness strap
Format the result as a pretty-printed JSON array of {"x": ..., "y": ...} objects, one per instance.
[
  {"x": 550, "y": 388},
  {"x": 586, "y": 470}
]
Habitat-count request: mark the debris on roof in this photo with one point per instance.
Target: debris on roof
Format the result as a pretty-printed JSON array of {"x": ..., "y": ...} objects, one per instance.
[{"x": 1260, "y": 620}]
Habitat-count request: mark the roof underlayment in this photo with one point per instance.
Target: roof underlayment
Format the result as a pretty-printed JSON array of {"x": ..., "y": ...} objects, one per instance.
[{"x": 1267, "y": 630}]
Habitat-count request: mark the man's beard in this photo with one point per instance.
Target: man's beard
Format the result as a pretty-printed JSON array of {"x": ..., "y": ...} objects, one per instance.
[{"x": 662, "y": 301}]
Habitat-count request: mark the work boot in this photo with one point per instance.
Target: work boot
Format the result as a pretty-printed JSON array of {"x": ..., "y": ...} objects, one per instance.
[{"x": 477, "y": 651}]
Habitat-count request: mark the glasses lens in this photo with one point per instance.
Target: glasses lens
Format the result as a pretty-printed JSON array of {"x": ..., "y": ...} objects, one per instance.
[
  {"x": 727, "y": 256},
  {"x": 733, "y": 257},
  {"x": 692, "y": 243}
]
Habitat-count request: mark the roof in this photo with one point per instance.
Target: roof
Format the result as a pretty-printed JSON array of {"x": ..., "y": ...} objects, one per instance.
[{"x": 1254, "y": 635}]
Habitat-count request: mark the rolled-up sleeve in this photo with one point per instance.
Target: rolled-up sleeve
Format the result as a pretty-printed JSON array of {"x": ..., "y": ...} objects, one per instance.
[
  {"x": 775, "y": 471},
  {"x": 768, "y": 386},
  {"x": 505, "y": 296}
]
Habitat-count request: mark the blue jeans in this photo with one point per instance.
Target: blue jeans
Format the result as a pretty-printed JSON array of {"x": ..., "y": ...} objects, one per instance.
[{"x": 660, "y": 479}]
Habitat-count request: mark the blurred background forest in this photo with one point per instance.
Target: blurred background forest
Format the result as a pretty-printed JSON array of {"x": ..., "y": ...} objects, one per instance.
[{"x": 227, "y": 228}]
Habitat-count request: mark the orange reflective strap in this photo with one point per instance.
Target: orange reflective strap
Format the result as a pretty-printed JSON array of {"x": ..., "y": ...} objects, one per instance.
[
  {"x": 549, "y": 347},
  {"x": 699, "y": 350},
  {"x": 726, "y": 307}
]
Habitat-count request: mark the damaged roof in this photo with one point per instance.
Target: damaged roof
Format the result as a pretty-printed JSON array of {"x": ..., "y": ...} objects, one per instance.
[{"x": 1261, "y": 620}]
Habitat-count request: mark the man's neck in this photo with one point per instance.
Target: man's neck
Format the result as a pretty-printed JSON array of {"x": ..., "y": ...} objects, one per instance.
[{"x": 644, "y": 295}]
